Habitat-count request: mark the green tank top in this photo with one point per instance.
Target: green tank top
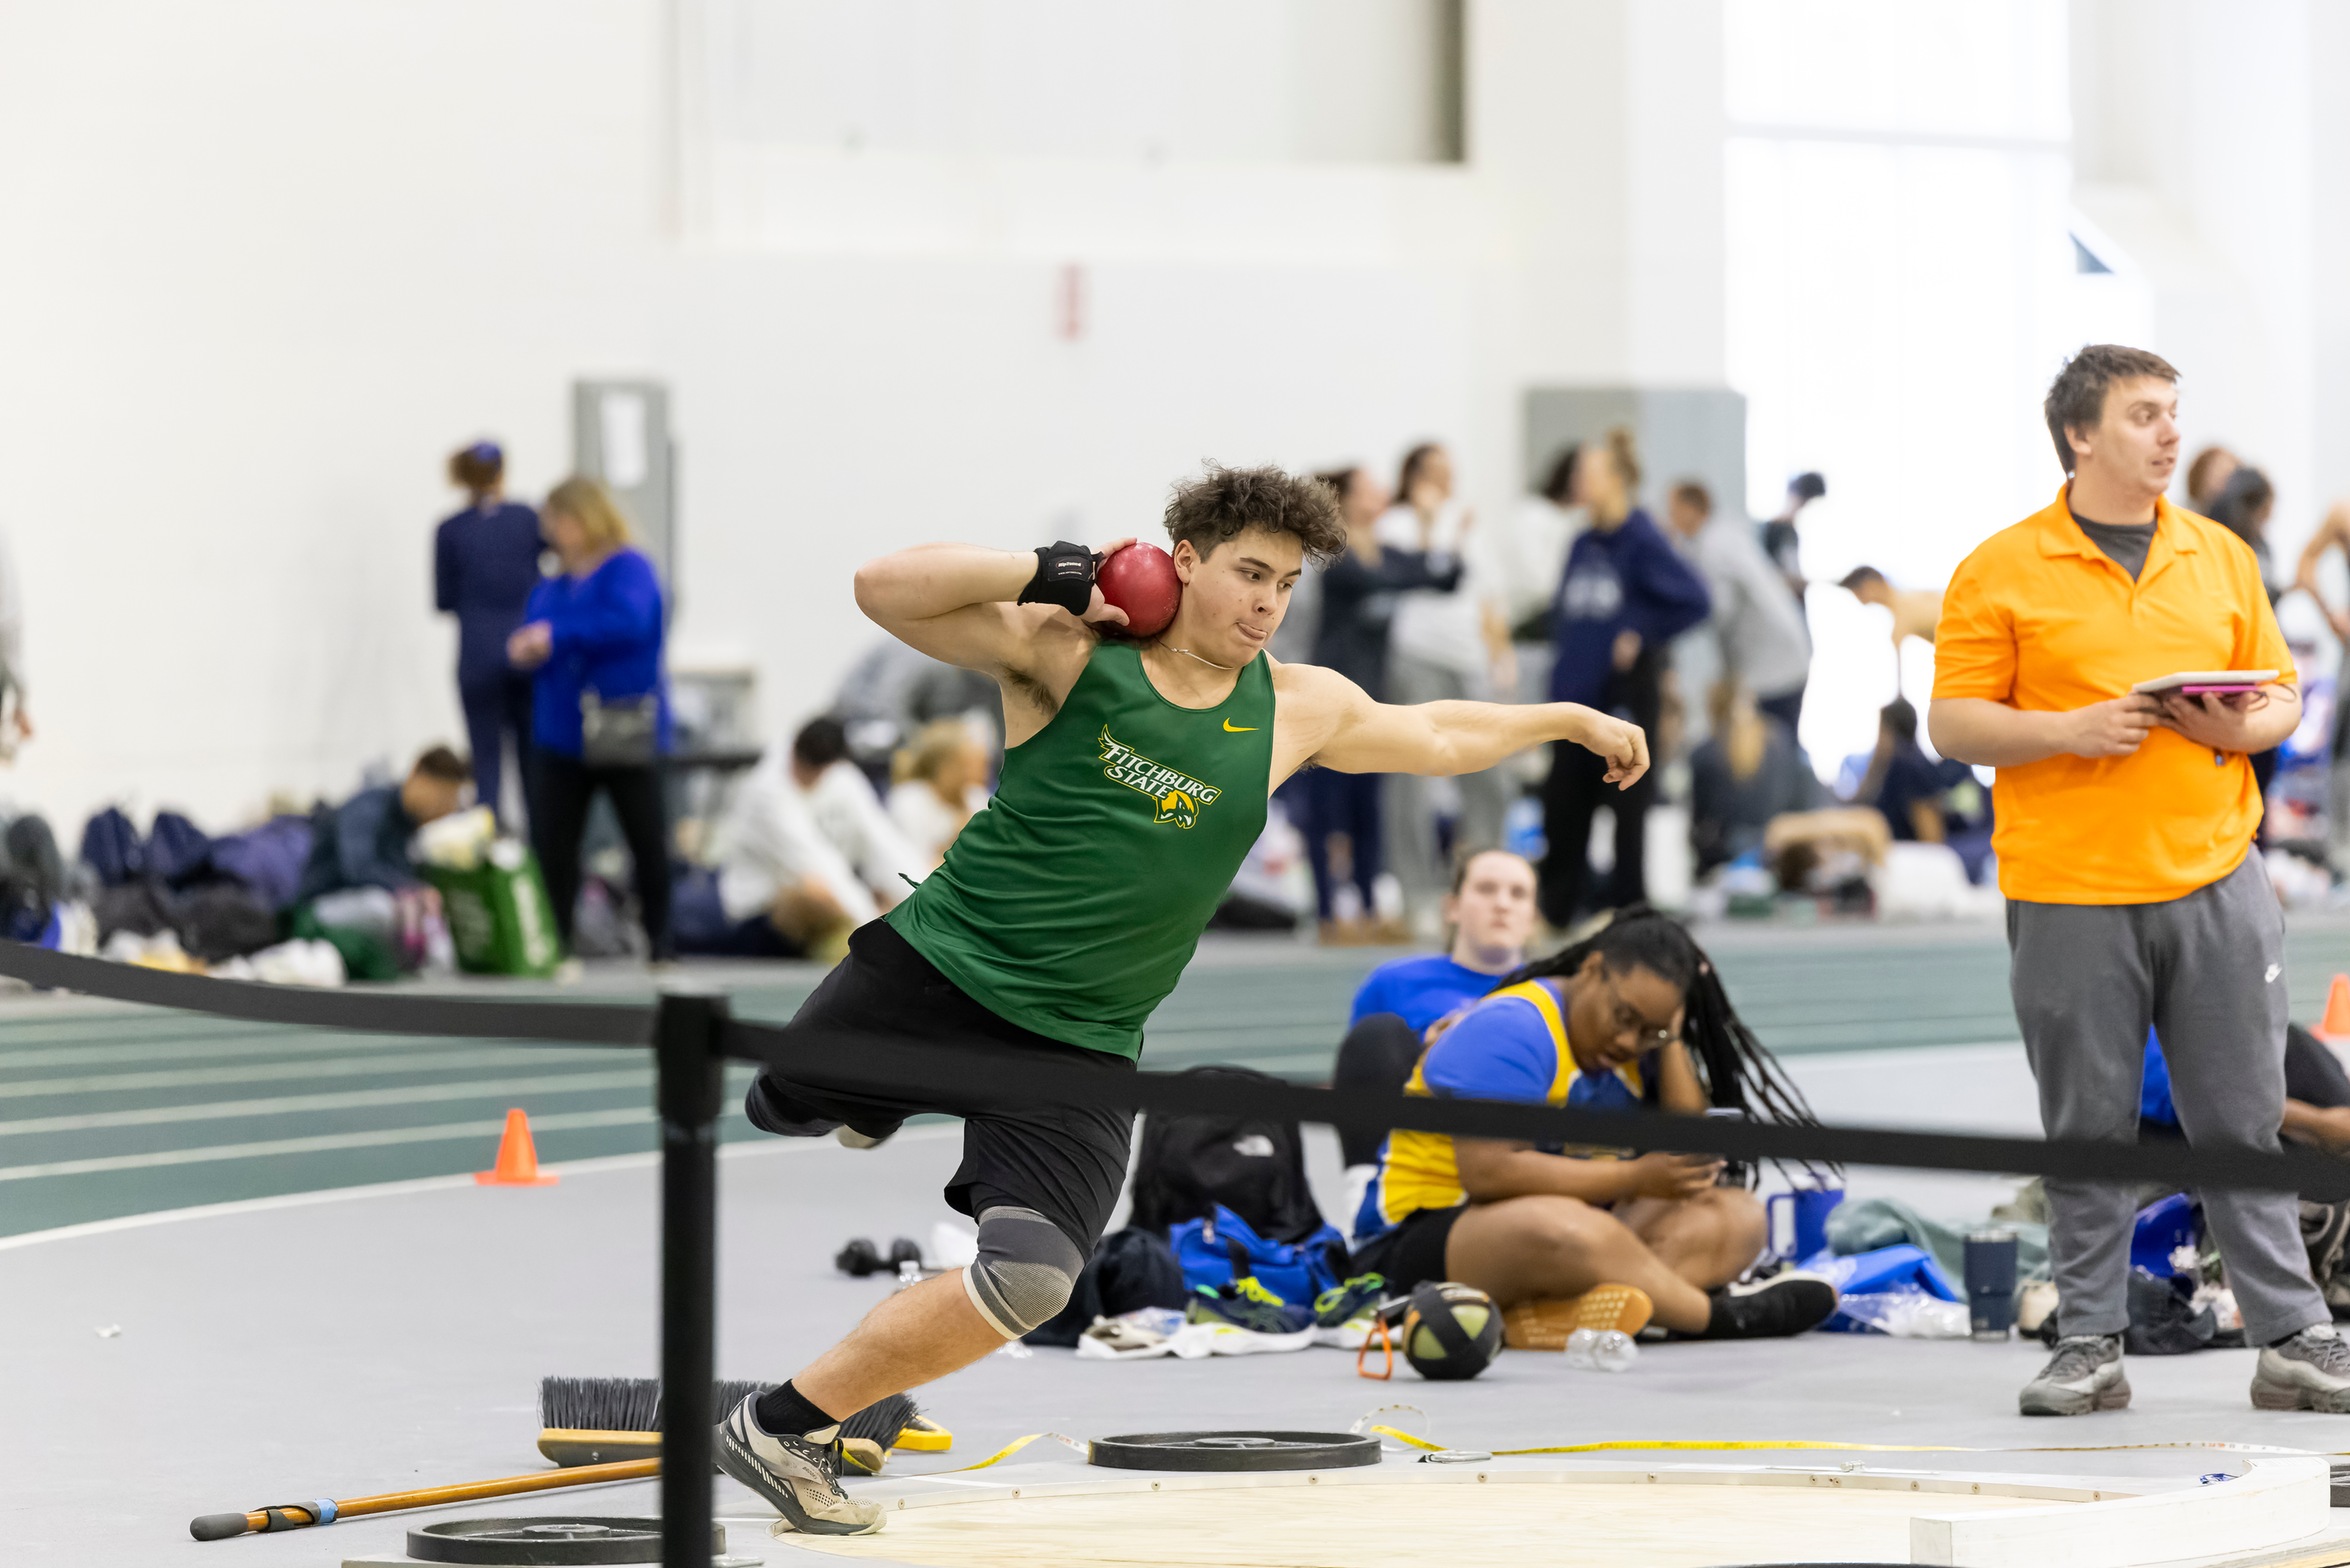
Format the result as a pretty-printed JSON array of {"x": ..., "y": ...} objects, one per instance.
[{"x": 1072, "y": 902}]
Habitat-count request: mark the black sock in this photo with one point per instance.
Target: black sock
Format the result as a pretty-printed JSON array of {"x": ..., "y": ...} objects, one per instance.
[{"x": 786, "y": 1412}]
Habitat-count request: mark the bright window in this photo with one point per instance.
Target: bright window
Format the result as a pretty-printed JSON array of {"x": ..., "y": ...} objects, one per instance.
[{"x": 1900, "y": 276}]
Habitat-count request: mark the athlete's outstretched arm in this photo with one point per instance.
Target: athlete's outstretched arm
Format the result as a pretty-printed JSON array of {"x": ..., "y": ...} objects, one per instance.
[
  {"x": 958, "y": 602},
  {"x": 1327, "y": 719}
]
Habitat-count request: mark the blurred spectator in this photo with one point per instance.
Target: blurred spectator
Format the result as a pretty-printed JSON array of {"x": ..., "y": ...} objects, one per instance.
[
  {"x": 2243, "y": 507},
  {"x": 485, "y": 564},
  {"x": 594, "y": 634},
  {"x": 1625, "y": 595},
  {"x": 1916, "y": 611},
  {"x": 937, "y": 783},
  {"x": 1903, "y": 783},
  {"x": 16, "y": 723},
  {"x": 1359, "y": 591},
  {"x": 1447, "y": 643},
  {"x": 1490, "y": 918},
  {"x": 1746, "y": 773},
  {"x": 1530, "y": 557},
  {"x": 1766, "y": 648},
  {"x": 806, "y": 852},
  {"x": 2333, "y": 534},
  {"x": 364, "y": 841},
  {"x": 1781, "y": 542},
  {"x": 892, "y": 691},
  {"x": 1925, "y": 800},
  {"x": 2207, "y": 475}
]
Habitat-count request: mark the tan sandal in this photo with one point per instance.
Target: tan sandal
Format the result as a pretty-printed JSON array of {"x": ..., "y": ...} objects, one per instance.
[{"x": 1545, "y": 1324}]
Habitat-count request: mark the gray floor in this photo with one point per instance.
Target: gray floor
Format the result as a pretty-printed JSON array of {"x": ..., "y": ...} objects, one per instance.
[
  {"x": 289, "y": 1343},
  {"x": 373, "y": 1341}
]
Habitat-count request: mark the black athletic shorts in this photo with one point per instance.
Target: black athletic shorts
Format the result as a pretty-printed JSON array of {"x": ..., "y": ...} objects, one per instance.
[
  {"x": 1066, "y": 1162},
  {"x": 1412, "y": 1252}
]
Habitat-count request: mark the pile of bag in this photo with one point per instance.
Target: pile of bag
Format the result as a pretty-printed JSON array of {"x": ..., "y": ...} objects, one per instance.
[{"x": 1224, "y": 1252}]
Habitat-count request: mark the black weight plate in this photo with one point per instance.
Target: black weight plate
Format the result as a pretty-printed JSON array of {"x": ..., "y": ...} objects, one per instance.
[
  {"x": 544, "y": 1540},
  {"x": 1233, "y": 1451}
]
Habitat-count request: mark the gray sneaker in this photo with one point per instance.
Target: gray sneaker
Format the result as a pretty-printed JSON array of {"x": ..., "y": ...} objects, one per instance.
[
  {"x": 2310, "y": 1371},
  {"x": 802, "y": 1479},
  {"x": 2085, "y": 1374}
]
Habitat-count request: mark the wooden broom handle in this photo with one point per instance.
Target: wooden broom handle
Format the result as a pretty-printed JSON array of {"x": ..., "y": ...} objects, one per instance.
[{"x": 298, "y": 1516}]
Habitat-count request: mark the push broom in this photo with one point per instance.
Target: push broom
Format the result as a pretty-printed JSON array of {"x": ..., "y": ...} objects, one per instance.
[{"x": 614, "y": 1406}]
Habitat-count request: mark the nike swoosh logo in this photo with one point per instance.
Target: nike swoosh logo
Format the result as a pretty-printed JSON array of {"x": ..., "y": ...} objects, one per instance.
[{"x": 1231, "y": 728}]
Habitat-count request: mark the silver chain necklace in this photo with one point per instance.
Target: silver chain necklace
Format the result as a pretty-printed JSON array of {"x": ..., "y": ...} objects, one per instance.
[{"x": 1187, "y": 653}]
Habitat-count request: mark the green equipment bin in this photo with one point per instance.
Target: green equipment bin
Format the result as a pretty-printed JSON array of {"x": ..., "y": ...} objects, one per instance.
[{"x": 499, "y": 918}]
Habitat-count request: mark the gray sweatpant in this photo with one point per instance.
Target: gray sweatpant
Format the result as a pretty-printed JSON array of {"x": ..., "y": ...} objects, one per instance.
[{"x": 2207, "y": 972}]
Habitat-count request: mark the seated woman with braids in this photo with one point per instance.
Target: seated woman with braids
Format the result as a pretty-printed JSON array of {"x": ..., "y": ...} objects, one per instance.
[{"x": 1633, "y": 1016}]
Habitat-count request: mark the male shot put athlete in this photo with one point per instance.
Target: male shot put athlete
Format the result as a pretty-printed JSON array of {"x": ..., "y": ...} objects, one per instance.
[{"x": 1135, "y": 780}]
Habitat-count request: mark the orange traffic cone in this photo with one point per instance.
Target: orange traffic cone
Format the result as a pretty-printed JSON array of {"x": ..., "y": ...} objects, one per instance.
[
  {"x": 2336, "y": 1023},
  {"x": 518, "y": 1158}
]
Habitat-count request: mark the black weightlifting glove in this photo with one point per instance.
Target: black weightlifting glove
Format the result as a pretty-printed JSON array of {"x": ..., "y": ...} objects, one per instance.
[{"x": 1064, "y": 576}]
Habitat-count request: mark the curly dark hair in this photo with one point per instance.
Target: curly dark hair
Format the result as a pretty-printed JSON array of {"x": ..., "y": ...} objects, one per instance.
[
  {"x": 1223, "y": 502},
  {"x": 2076, "y": 398}
]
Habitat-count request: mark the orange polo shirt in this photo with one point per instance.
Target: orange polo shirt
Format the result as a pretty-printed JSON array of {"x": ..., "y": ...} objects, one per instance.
[{"x": 2041, "y": 619}]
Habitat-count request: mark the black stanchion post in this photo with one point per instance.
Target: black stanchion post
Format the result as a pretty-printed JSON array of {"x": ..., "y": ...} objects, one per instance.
[{"x": 685, "y": 1039}]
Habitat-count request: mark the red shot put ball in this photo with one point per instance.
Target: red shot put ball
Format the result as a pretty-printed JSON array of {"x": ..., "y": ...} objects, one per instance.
[{"x": 1141, "y": 580}]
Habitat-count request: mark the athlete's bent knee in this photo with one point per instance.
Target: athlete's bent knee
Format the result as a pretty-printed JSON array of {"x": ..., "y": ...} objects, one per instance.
[{"x": 1025, "y": 1271}]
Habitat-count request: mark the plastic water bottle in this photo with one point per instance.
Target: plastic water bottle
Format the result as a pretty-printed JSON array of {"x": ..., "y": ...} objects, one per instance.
[
  {"x": 1601, "y": 1350},
  {"x": 909, "y": 1273}
]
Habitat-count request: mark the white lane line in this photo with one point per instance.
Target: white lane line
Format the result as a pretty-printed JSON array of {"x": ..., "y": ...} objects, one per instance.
[
  {"x": 321, "y": 1143},
  {"x": 347, "y": 1100},
  {"x": 391, "y": 1189},
  {"x": 187, "y": 1049},
  {"x": 262, "y": 1072}
]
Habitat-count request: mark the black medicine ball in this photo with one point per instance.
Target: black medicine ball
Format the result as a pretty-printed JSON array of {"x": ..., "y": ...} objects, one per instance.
[{"x": 1450, "y": 1331}]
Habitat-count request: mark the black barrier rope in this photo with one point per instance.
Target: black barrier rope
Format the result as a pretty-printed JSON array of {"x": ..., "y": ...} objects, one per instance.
[
  {"x": 573, "y": 1023},
  {"x": 983, "y": 1077}
]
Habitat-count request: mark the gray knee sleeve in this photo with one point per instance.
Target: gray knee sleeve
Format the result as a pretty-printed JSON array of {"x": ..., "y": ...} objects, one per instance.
[{"x": 1025, "y": 1270}]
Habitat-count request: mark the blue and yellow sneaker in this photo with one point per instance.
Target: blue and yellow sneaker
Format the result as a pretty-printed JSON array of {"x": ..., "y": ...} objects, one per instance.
[
  {"x": 1344, "y": 1314},
  {"x": 1247, "y": 1305}
]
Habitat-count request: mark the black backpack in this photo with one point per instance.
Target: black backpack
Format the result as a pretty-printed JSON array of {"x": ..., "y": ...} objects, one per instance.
[
  {"x": 1253, "y": 1165},
  {"x": 1130, "y": 1270}
]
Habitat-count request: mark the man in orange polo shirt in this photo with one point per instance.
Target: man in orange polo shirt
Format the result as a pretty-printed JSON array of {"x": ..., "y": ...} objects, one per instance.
[{"x": 2124, "y": 838}]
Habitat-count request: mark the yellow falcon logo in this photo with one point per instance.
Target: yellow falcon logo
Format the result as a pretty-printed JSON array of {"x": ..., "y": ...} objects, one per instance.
[{"x": 1180, "y": 798}]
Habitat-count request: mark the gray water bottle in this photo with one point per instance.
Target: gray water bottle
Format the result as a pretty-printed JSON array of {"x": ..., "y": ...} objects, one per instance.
[{"x": 1990, "y": 1282}]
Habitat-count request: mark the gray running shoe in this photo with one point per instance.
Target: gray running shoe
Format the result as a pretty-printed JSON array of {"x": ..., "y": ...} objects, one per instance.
[
  {"x": 2085, "y": 1374},
  {"x": 2310, "y": 1371},
  {"x": 802, "y": 1479}
]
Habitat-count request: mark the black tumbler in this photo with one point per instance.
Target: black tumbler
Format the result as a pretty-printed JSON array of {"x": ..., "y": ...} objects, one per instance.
[{"x": 1990, "y": 1282}]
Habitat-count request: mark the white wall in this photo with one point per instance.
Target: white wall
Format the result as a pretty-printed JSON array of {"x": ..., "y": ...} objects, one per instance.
[{"x": 269, "y": 261}]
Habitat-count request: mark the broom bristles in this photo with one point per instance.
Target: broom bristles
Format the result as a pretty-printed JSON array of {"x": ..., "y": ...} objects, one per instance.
[{"x": 633, "y": 1404}]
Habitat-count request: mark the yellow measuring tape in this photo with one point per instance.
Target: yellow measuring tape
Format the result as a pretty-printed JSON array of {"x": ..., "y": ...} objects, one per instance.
[
  {"x": 1696, "y": 1445},
  {"x": 1717, "y": 1445}
]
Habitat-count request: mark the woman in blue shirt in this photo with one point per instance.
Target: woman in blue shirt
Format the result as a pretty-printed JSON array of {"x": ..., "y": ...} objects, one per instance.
[
  {"x": 1625, "y": 595},
  {"x": 1632, "y": 1016},
  {"x": 485, "y": 563},
  {"x": 600, "y": 700}
]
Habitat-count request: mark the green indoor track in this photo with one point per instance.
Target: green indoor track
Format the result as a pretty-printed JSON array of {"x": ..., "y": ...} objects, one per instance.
[{"x": 108, "y": 1111}]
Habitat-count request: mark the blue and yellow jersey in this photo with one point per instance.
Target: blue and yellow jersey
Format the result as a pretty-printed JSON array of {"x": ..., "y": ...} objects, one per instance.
[{"x": 1511, "y": 1046}]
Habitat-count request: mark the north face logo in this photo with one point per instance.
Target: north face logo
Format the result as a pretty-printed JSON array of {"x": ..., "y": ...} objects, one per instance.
[
  {"x": 1179, "y": 797},
  {"x": 1255, "y": 1145}
]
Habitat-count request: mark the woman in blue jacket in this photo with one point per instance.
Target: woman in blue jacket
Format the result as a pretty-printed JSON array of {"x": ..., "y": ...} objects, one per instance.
[
  {"x": 485, "y": 563},
  {"x": 1625, "y": 595},
  {"x": 600, "y": 703}
]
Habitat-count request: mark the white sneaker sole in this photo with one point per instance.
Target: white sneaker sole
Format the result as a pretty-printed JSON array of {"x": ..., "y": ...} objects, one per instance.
[{"x": 746, "y": 1467}]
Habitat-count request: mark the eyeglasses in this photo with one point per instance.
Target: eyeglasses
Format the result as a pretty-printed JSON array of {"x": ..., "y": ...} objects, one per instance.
[{"x": 1630, "y": 1021}]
